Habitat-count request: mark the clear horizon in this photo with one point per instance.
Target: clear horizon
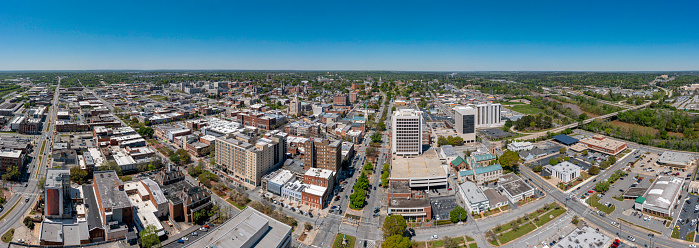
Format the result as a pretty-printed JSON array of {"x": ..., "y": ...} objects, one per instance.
[{"x": 452, "y": 36}]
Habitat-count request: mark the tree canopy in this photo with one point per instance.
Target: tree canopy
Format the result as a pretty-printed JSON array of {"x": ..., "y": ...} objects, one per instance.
[{"x": 394, "y": 225}]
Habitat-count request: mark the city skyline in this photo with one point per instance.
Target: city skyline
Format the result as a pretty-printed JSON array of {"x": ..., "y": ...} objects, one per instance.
[{"x": 387, "y": 36}]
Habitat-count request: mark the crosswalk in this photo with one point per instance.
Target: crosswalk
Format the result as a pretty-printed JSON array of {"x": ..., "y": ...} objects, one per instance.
[{"x": 369, "y": 244}]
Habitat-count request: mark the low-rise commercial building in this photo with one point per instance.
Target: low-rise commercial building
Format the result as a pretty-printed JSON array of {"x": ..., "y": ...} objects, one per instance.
[
  {"x": 603, "y": 144},
  {"x": 473, "y": 197},
  {"x": 514, "y": 188},
  {"x": 565, "y": 171},
  {"x": 248, "y": 229},
  {"x": 677, "y": 159},
  {"x": 660, "y": 199}
]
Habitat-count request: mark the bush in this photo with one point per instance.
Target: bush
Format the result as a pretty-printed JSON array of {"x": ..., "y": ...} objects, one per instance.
[{"x": 28, "y": 222}]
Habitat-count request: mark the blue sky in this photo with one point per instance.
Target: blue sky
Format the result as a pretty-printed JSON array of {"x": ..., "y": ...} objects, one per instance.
[{"x": 350, "y": 35}]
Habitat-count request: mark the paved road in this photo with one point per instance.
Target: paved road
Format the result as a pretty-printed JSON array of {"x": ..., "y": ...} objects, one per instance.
[
  {"x": 604, "y": 223},
  {"x": 33, "y": 172}
]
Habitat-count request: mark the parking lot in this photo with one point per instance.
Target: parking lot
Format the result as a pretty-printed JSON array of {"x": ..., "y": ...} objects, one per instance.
[
  {"x": 495, "y": 133},
  {"x": 441, "y": 207},
  {"x": 689, "y": 215}
]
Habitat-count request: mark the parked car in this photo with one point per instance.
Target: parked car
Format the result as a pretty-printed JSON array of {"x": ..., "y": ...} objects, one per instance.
[{"x": 180, "y": 241}]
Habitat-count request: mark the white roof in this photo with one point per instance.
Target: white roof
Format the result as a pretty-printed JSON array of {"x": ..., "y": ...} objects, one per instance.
[
  {"x": 315, "y": 189},
  {"x": 282, "y": 177},
  {"x": 318, "y": 172},
  {"x": 565, "y": 167}
]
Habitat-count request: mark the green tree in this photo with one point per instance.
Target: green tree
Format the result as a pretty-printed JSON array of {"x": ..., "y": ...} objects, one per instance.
[
  {"x": 78, "y": 175},
  {"x": 200, "y": 216},
  {"x": 146, "y": 132},
  {"x": 358, "y": 199},
  {"x": 563, "y": 150},
  {"x": 396, "y": 241},
  {"x": 594, "y": 170},
  {"x": 508, "y": 160},
  {"x": 149, "y": 237},
  {"x": 553, "y": 161},
  {"x": 538, "y": 168},
  {"x": 111, "y": 165},
  {"x": 368, "y": 166},
  {"x": 394, "y": 225},
  {"x": 11, "y": 174},
  {"x": 29, "y": 222},
  {"x": 602, "y": 186},
  {"x": 458, "y": 214},
  {"x": 449, "y": 242},
  {"x": 584, "y": 153}
]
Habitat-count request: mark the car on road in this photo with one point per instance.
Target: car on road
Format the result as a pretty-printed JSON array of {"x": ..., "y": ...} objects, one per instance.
[
  {"x": 180, "y": 241},
  {"x": 435, "y": 236},
  {"x": 26, "y": 199},
  {"x": 630, "y": 238},
  {"x": 195, "y": 234},
  {"x": 185, "y": 238}
]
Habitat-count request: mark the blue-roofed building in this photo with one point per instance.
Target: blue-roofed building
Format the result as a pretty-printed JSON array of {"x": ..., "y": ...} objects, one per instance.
[
  {"x": 481, "y": 175},
  {"x": 565, "y": 139},
  {"x": 475, "y": 161}
]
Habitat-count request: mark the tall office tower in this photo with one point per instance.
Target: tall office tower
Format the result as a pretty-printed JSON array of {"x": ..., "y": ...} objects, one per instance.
[
  {"x": 488, "y": 115},
  {"x": 295, "y": 106},
  {"x": 466, "y": 123},
  {"x": 407, "y": 134}
]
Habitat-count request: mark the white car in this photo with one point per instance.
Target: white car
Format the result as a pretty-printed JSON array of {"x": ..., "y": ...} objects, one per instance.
[
  {"x": 185, "y": 238},
  {"x": 435, "y": 236}
]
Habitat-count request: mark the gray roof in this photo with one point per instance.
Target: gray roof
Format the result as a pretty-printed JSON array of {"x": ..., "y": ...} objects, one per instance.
[
  {"x": 55, "y": 177},
  {"x": 409, "y": 203},
  {"x": 472, "y": 193},
  {"x": 663, "y": 192},
  {"x": 250, "y": 228},
  {"x": 108, "y": 186},
  {"x": 155, "y": 191},
  {"x": 677, "y": 158},
  {"x": 94, "y": 219},
  {"x": 514, "y": 185},
  {"x": 449, "y": 151}
]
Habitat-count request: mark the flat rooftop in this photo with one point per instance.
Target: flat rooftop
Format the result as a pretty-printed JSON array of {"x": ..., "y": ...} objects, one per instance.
[
  {"x": 676, "y": 158},
  {"x": 515, "y": 186},
  {"x": 249, "y": 228},
  {"x": 663, "y": 192},
  {"x": 423, "y": 166},
  {"x": 108, "y": 186},
  {"x": 584, "y": 237},
  {"x": 409, "y": 203},
  {"x": 471, "y": 191}
]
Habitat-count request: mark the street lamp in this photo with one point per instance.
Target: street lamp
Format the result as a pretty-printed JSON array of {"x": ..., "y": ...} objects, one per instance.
[{"x": 651, "y": 235}]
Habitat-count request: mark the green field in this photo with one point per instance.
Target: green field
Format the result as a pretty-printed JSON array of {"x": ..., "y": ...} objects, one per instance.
[
  {"x": 512, "y": 235},
  {"x": 525, "y": 109},
  {"x": 594, "y": 202},
  {"x": 158, "y": 98},
  {"x": 338, "y": 241}
]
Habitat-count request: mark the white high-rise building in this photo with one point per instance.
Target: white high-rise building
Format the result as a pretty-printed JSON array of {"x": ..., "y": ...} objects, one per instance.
[
  {"x": 488, "y": 115},
  {"x": 406, "y": 136},
  {"x": 465, "y": 118}
]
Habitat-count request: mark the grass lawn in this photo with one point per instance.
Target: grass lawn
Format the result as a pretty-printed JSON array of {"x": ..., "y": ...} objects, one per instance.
[
  {"x": 473, "y": 245},
  {"x": 236, "y": 205},
  {"x": 690, "y": 236},
  {"x": 510, "y": 103},
  {"x": 43, "y": 145},
  {"x": 511, "y": 235},
  {"x": 158, "y": 98},
  {"x": 469, "y": 239},
  {"x": 594, "y": 202},
  {"x": 437, "y": 243},
  {"x": 525, "y": 109},
  {"x": 7, "y": 237},
  {"x": 338, "y": 240},
  {"x": 675, "y": 233},
  {"x": 545, "y": 217},
  {"x": 494, "y": 242}
]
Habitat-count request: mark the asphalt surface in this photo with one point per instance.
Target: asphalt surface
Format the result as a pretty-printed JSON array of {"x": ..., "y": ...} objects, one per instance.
[{"x": 35, "y": 170}]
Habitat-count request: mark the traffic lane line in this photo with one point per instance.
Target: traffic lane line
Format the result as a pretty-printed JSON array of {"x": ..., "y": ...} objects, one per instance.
[{"x": 624, "y": 231}]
